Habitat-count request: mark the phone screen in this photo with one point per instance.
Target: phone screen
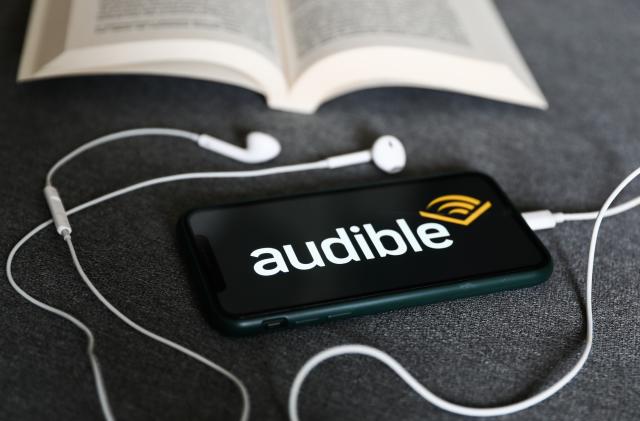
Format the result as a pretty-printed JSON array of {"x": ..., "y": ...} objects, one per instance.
[{"x": 279, "y": 254}]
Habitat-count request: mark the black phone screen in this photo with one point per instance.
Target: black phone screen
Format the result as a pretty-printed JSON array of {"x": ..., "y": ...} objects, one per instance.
[{"x": 279, "y": 254}]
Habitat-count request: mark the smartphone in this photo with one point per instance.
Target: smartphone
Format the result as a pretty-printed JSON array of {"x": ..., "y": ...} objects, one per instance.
[{"x": 291, "y": 261}]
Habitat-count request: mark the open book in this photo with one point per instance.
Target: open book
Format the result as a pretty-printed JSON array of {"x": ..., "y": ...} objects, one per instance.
[{"x": 297, "y": 53}]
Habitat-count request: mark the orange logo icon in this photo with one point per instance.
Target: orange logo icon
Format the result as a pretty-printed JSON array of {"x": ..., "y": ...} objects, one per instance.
[{"x": 455, "y": 208}]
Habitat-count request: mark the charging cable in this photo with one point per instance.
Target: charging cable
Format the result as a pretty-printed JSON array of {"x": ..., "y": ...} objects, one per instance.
[{"x": 545, "y": 219}]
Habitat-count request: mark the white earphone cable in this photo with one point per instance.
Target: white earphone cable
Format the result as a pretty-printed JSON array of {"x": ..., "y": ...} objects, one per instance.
[
  {"x": 545, "y": 220},
  {"x": 100, "y": 387},
  {"x": 95, "y": 366},
  {"x": 158, "y": 338},
  {"x": 124, "y": 134},
  {"x": 444, "y": 404}
]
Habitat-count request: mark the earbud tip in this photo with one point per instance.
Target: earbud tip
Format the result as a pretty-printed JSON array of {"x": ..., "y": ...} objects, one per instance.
[
  {"x": 262, "y": 147},
  {"x": 388, "y": 154}
]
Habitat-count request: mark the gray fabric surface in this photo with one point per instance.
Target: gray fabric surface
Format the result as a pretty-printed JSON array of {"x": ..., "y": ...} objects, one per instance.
[{"x": 482, "y": 351}]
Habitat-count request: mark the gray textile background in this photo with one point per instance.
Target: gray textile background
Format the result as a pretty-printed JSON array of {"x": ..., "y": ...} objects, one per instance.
[{"x": 482, "y": 351}]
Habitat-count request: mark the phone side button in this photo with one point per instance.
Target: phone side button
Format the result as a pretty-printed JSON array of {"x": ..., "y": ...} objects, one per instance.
[{"x": 274, "y": 323}]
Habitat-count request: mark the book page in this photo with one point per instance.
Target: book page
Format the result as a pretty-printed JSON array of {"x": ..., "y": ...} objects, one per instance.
[
  {"x": 322, "y": 27},
  {"x": 245, "y": 22},
  {"x": 231, "y": 42},
  {"x": 338, "y": 46}
]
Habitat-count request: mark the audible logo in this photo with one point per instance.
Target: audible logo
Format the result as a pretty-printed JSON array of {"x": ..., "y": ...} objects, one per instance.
[
  {"x": 452, "y": 205},
  {"x": 341, "y": 250}
]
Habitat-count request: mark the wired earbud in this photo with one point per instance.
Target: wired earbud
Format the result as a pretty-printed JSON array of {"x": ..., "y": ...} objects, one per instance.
[
  {"x": 388, "y": 154},
  {"x": 261, "y": 147}
]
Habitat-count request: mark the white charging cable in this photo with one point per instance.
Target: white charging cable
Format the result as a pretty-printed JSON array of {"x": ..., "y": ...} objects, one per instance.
[
  {"x": 546, "y": 219},
  {"x": 452, "y": 407}
]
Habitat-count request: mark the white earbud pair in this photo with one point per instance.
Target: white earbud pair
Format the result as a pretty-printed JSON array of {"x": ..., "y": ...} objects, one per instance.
[{"x": 387, "y": 152}]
